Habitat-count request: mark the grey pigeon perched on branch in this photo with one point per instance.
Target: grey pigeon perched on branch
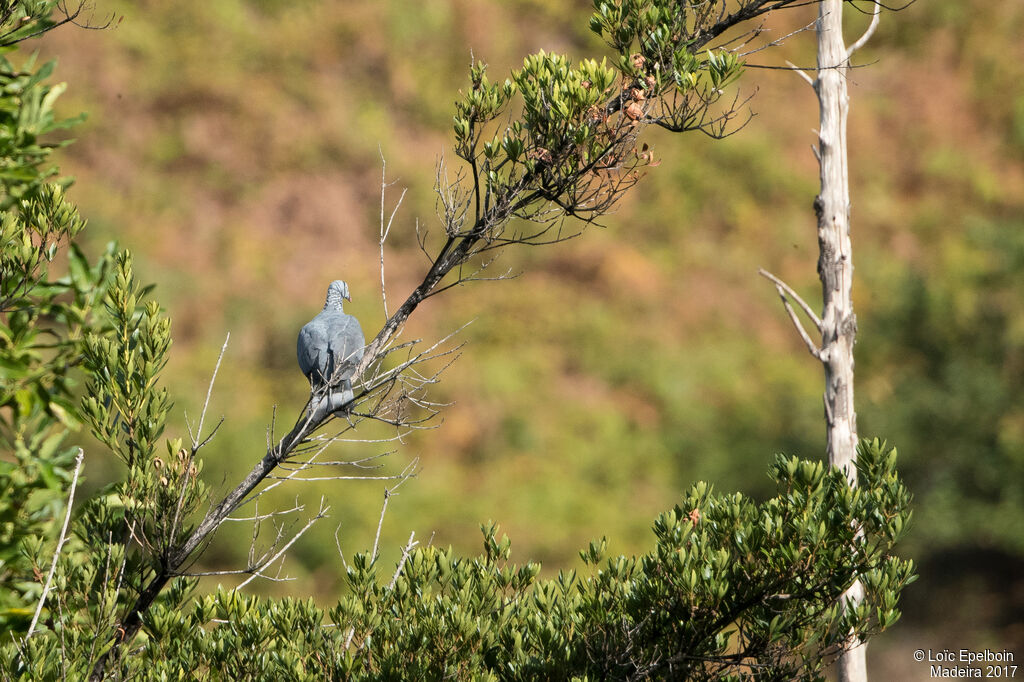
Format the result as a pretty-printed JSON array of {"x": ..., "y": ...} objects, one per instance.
[{"x": 329, "y": 348}]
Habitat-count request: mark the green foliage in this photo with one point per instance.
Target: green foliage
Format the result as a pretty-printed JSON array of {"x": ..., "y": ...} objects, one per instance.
[
  {"x": 656, "y": 42},
  {"x": 727, "y": 575},
  {"x": 26, "y": 115},
  {"x": 124, "y": 406},
  {"x": 127, "y": 411},
  {"x": 730, "y": 585},
  {"x": 122, "y": 536},
  {"x": 41, "y": 342},
  {"x": 578, "y": 122},
  {"x": 42, "y": 321}
]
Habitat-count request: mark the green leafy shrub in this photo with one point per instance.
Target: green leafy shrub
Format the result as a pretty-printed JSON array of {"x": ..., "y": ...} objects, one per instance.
[
  {"x": 732, "y": 589},
  {"x": 43, "y": 321}
]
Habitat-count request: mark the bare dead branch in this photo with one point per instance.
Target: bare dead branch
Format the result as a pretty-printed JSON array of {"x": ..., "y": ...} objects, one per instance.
[
  {"x": 257, "y": 572},
  {"x": 801, "y": 72},
  {"x": 411, "y": 470},
  {"x": 385, "y": 229},
  {"x": 409, "y": 546},
  {"x": 60, "y": 543},
  {"x": 209, "y": 392},
  {"x": 781, "y": 288},
  {"x": 307, "y": 479},
  {"x": 337, "y": 543},
  {"x": 356, "y": 463},
  {"x": 792, "y": 294},
  {"x": 778, "y": 41},
  {"x": 268, "y": 515},
  {"x": 870, "y": 31}
]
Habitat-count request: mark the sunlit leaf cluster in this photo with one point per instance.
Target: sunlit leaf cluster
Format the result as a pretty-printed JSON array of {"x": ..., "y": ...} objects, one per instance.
[
  {"x": 660, "y": 39},
  {"x": 124, "y": 406},
  {"x": 558, "y": 139}
]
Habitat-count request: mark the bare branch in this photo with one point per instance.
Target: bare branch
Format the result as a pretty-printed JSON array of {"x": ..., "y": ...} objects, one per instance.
[
  {"x": 776, "y": 42},
  {"x": 196, "y": 444},
  {"x": 356, "y": 463},
  {"x": 782, "y": 288},
  {"x": 269, "y": 515},
  {"x": 406, "y": 474},
  {"x": 792, "y": 294},
  {"x": 257, "y": 570},
  {"x": 409, "y": 546},
  {"x": 280, "y": 479},
  {"x": 337, "y": 543},
  {"x": 307, "y": 479},
  {"x": 385, "y": 229},
  {"x": 870, "y": 31},
  {"x": 801, "y": 72},
  {"x": 209, "y": 392},
  {"x": 380, "y": 524},
  {"x": 745, "y": 12},
  {"x": 60, "y": 543}
]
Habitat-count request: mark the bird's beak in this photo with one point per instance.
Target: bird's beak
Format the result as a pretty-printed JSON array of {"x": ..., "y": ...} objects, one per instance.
[{"x": 348, "y": 298}]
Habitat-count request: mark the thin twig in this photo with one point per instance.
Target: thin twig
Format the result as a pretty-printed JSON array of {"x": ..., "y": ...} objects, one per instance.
[
  {"x": 781, "y": 287},
  {"x": 336, "y": 478},
  {"x": 268, "y": 515},
  {"x": 380, "y": 524},
  {"x": 196, "y": 444},
  {"x": 385, "y": 229},
  {"x": 811, "y": 347},
  {"x": 237, "y": 571},
  {"x": 796, "y": 297},
  {"x": 401, "y": 562},
  {"x": 337, "y": 543},
  {"x": 60, "y": 543},
  {"x": 772, "y": 43},
  {"x": 383, "y": 234},
  {"x": 257, "y": 571},
  {"x": 800, "y": 72},
  {"x": 406, "y": 474},
  {"x": 209, "y": 391},
  {"x": 872, "y": 27},
  {"x": 281, "y": 479}
]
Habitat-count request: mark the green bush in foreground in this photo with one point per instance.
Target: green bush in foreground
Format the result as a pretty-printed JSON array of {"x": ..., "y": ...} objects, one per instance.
[{"x": 732, "y": 589}]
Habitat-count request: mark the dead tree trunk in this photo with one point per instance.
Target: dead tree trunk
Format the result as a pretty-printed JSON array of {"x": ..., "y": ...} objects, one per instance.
[
  {"x": 835, "y": 257},
  {"x": 835, "y": 269},
  {"x": 838, "y": 324}
]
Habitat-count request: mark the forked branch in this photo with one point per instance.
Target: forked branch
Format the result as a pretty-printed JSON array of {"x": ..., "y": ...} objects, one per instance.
[{"x": 785, "y": 294}]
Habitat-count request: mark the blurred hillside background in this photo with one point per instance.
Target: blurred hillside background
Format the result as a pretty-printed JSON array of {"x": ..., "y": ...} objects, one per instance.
[{"x": 236, "y": 147}]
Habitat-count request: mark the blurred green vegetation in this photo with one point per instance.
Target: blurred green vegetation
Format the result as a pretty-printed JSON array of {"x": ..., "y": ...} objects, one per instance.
[{"x": 235, "y": 147}]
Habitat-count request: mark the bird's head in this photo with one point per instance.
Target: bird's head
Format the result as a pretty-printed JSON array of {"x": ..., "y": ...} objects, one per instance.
[{"x": 336, "y": 292}]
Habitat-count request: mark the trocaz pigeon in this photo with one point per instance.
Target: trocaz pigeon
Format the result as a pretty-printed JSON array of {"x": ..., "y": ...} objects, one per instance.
[{"x": 329, "y": 348}]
